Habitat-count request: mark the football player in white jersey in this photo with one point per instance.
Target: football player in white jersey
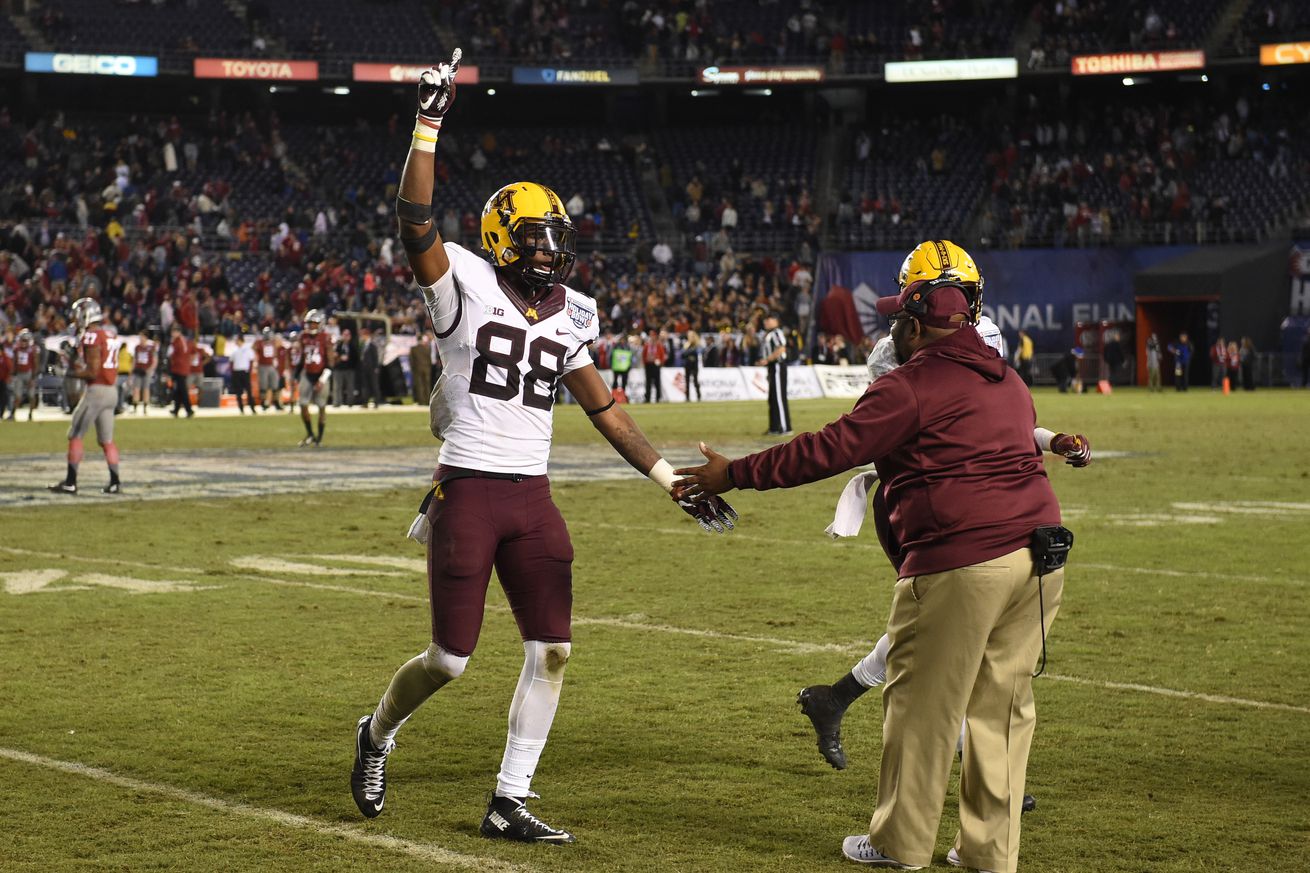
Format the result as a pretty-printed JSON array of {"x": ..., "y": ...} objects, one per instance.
[
  {"x": 825, "y": 705},
  {"x": 509, "y": 332}
]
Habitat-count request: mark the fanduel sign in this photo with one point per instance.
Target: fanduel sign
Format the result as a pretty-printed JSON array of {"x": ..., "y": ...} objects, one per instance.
[
  {"x": 556, "y": 76},
  {"x": 91, "y": 65}
]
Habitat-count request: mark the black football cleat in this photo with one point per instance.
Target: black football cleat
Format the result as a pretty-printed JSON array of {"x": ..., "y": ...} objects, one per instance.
[
  {"x": 1029, "y": 803},
  {"x": 817, "y": 703},
  {"x": 368, "y": 779},
  {"x": 508, "y": 818},
  {"x": 112, "y": 488},
  {"x": 63, "y": 488}
]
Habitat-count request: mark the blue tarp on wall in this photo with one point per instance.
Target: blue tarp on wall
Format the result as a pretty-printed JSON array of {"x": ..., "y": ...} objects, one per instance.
[{"x": 1043, "y": 291}]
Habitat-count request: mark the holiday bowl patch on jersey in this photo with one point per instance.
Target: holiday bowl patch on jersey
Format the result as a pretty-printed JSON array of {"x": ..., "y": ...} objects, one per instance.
[{"x": 580, "y": 313}]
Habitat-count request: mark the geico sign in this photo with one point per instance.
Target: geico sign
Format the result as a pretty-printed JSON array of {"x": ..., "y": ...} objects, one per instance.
[
  {"x": 99, "y": 65},
  {"x": 1285, "y": 53}
]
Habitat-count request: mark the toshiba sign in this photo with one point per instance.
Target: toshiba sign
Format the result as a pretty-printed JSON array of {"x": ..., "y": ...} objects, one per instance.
[
  {"x": 1137, "y": 62},
  {"x": 1285, "y": 53},
  {"x": 236, "y": 68},
  {"x": 407, "y": 73}
]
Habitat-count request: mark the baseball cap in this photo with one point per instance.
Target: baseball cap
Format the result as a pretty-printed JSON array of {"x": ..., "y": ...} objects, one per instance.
[{"x": 943, "y": 303}]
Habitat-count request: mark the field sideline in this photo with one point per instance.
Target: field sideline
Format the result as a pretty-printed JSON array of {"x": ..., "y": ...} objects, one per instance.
[{"x": 186, "y": 662}]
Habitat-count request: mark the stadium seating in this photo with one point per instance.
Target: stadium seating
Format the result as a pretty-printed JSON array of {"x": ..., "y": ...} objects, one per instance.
[
  {"x": 1094, "y": 26},
  {"x": 781, "y": 159}
]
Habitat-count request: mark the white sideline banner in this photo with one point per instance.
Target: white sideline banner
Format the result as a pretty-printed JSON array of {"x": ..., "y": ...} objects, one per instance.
[
  {"x": 750, "y": 383},
  {"x": 716, "y": 383},
  {"x": 842, "y": 381},
  {"x": 802, "y": 383}
]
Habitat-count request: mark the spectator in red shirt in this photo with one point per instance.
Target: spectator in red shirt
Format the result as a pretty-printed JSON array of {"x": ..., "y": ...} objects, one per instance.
[
  {"x": 179, "y": 367},
  {"x": 653, "y": 355}
]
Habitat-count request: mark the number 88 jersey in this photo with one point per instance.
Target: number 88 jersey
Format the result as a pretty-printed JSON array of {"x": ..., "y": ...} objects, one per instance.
[{"x": 502, "y": 360}]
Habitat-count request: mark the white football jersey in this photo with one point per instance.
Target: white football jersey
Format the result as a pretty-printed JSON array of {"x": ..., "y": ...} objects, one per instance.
[{"x": 501, "y": 363}]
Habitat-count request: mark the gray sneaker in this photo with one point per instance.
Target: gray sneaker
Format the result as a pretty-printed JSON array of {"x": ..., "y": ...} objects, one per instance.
[{"x": 858, "y": 849}]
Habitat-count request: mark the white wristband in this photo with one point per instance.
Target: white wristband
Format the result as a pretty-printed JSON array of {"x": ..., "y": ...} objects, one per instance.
[
  {"x": 662, "y": 475},
  {"x": 425, "y": 137},
  {"x": 1043, "y": 438}
]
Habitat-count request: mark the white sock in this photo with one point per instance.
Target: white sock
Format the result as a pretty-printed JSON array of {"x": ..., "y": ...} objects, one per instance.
[
  {"x": 531, "y": 714},
  {"x": 417, "y": 679},
  {"x": 872, "y": 669}
]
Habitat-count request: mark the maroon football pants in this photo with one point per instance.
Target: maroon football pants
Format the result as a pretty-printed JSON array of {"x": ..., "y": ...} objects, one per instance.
[{"x": 479, "y": 523}]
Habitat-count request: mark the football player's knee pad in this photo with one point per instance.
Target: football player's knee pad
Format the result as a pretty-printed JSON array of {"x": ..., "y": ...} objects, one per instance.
[
  {"x": 548, "y": 659},
  {"x": 442, "y": 665}
]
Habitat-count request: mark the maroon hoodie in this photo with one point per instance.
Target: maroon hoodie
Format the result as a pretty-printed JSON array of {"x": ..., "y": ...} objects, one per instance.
[{"x": 951, "y": 433}]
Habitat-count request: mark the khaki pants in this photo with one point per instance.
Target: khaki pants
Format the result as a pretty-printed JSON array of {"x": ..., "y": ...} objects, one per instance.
[{"x": 963, "y": 646}]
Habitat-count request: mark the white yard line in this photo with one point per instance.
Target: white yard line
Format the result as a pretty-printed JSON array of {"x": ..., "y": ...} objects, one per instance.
[
  {"x": 63, "y": 556},
  {"x": 796, "y": 647},
  {"x": 1172, "y": 692},
  {"x": 420, "y": 851}
]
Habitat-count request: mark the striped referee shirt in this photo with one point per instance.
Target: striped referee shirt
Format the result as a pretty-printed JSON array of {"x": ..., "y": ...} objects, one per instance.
[{"x": 774, "y": 340}]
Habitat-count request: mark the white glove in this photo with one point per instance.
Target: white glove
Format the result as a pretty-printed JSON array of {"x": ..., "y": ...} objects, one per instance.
[
  {"x": 325, "y": 375},
  {"x": 419, "y": 529}
]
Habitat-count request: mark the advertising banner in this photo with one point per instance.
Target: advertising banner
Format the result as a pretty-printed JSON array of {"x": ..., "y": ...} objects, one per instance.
[
  {"x": 802, "y": 383},
  {"x": 716, "y": 383},
  {"x": 951, "y": 71},
  {"x": 1119, "y": 63},
  {"x": 760, "y": 75},
  {"x": 91, "y": 65},
  {"x": 842, "y": 381},
  {"x": 256, "y": 68},
  {"x": 407, "y": 74},
  {"x": 1285, "y": 53},
  {"x": 1093, "y": 284},
  {"x": 557, "y": 76}
]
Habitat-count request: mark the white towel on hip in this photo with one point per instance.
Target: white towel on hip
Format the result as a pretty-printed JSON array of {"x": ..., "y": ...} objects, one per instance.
[{"x": 852, "y": 506}]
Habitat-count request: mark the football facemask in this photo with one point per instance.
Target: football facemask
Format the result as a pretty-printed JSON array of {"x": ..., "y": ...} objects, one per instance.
[{"x": 553, "y": 237}]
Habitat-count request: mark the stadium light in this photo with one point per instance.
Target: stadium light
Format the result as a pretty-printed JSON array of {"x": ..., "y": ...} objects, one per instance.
[
  {"x": 1204, "y": 77},
  {"x": 491, "y": 92},
  {"x": 341, "y": 90},
  {"x": 1264, "y": 87},
  {"x": 1128, "y": 80}
]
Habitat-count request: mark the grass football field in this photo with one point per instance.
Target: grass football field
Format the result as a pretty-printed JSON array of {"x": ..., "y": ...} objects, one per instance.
[{"x": 181, "y": 667}]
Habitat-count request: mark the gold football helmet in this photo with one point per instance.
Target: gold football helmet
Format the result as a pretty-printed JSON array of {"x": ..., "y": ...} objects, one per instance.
[
  {"x": 524, "y": 220},
  {"x": 942, "y": 262}
]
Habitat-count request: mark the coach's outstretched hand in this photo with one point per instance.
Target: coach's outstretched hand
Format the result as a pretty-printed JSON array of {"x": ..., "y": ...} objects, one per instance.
[
  {"x": 1074, "y": 447},
  {"x": 708, "y": 479}
]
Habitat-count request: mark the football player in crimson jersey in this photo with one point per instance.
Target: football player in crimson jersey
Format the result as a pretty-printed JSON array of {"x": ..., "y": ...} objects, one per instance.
[
  {"x": 509, "y": 331},
  {"x": 317, "y": 357},
  {"x": 22, "y": 384},
  {"x": 144, "y": 361},
  {"x": 97, "y": 364},
  {"x": 266, "y": 357}
]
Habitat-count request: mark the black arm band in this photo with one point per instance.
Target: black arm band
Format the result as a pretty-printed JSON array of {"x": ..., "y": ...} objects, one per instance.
[
  {"x": 417, "y": 245},
  {"x": 414, "y": 213},
  {"x": 592, "y": 412}
]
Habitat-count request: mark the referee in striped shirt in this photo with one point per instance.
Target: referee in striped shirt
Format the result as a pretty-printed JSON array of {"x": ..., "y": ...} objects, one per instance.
[{"x": 775, "y": 358}]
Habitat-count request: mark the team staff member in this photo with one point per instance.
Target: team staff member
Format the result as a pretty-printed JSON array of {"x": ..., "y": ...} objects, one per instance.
[
  {"x": 242, "y": 357},
  {"x": 948, "y": 430},
  {"x": 199, "y": 357},
  {"x": 97, "y": 364},
  {"x": 775, "y": 358},
  {"x": 143, "y": 371},
  {"x": 27, "y": 356},
  {"x": 179, "y": 367},
  {"x": 266, "y": 354}
]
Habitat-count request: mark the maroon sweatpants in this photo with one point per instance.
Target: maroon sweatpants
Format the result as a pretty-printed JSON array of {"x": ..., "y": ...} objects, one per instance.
[{"x": 478, "y": 523}]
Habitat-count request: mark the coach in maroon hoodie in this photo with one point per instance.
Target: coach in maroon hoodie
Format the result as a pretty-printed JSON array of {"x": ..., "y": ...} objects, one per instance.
[{"x": 951, "y": 433}]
